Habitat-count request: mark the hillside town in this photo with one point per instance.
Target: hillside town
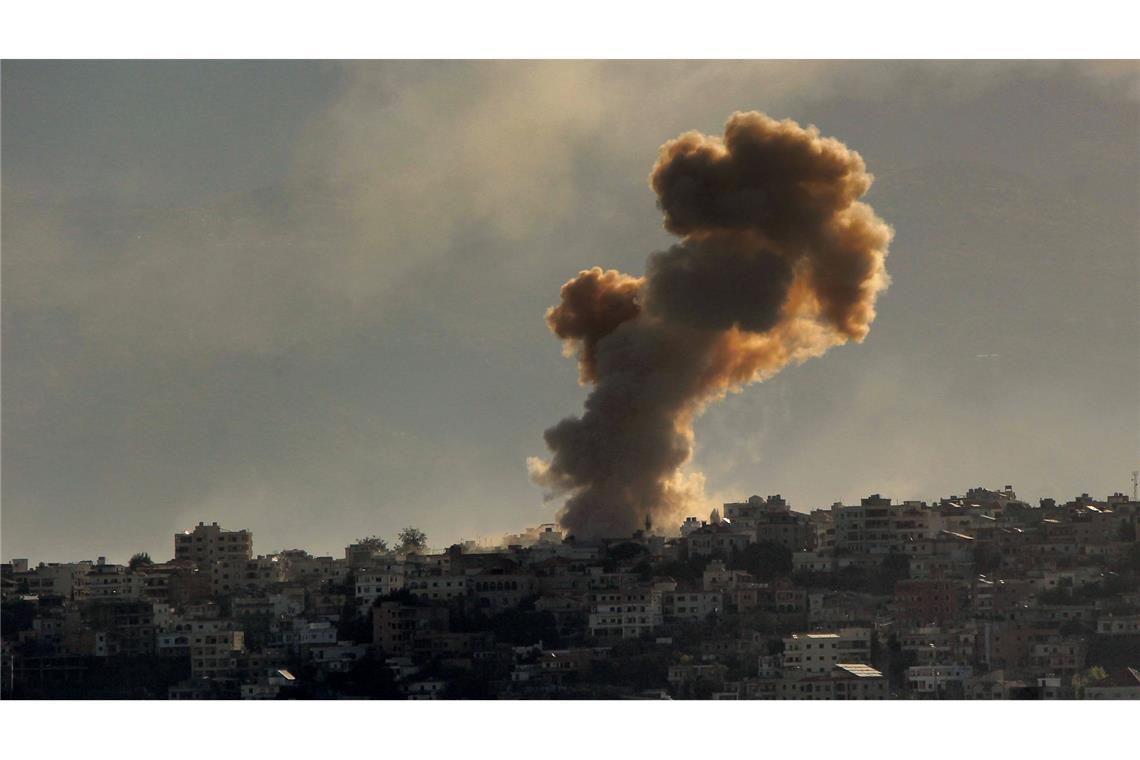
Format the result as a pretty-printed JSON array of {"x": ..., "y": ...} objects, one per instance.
[{"x": 979, "y": 596}]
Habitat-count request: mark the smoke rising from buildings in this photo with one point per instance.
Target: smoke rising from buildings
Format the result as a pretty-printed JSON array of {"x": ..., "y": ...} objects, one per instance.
[{"x": 777, "y": 262}]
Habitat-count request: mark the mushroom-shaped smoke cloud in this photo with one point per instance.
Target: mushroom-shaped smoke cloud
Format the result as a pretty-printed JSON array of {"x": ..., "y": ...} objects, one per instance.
[{"x": 778, "y": 261}]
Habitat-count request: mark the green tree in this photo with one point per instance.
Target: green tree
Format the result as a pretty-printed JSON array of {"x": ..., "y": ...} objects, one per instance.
[
  {"x": 764, "y": 561},
  {"x": 1092, "y": 675},
  {"x": 142, "y": 558},
  {"x": 626, "y": 551},
  {"x": 412, "y": 540},
  {"x": 374, "y": 542}
]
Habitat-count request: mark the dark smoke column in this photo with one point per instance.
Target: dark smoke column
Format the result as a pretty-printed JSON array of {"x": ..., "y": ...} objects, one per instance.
[{"x": 777, "y": 262}]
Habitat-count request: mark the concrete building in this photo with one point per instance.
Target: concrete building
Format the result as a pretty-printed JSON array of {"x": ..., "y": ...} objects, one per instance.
[
  {"x": 842, "y": 681},
  {"x": 64, "y": 579},
  {"x": 215, "y": 654},
  {"x": 772, "y": 520},
  {"x": 127, "y": 625},
  {"x": 437, "y": 588},
  {"x": 924, "y": 602},
  {"x": 930, "y": 681},
  {"x": 1118, "y": 625},
  {"x": 818, "y": 653},
  {"x": 497, "y": 591},
  {"x": 626, "y": 614},
  {"x": 234, "y": 575},
  {"x": 720, "y": 539},
  {"x": 692, "y": 606},
  {"x": 398, "y": 627},
  {"x": 377, "y": 582},
  {"x": 208, "y": 544}
]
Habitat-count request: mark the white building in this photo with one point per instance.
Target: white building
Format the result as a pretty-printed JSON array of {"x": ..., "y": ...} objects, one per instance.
[
  {"x": 438, "y": 588},
  {"x": 931, "y": 680},
  {"x": 626, "y": 614},
  {"x": 105, "y": 581},
  {"x": 818, "y": 653},
  {"x": 1118, "y": 625},
  {"x": 378, "y": 582},
  {"x": 66, "y": 579},
  {"x": 816, "y": 561},
  {"x": 694, "y": 606}
]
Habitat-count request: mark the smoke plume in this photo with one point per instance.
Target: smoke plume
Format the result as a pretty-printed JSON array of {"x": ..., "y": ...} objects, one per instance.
[{"x": 777, "y": 262}]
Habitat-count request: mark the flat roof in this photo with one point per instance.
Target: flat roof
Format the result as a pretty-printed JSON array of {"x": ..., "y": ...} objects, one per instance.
[{"x": 859, "y": 669}]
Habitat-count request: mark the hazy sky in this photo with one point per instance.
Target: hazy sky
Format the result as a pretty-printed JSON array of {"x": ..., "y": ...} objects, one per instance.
[{"x": 307, "y": 298}]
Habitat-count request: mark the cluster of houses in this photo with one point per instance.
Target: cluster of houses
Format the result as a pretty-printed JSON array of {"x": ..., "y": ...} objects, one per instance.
[{"x": 981, "y": 596}]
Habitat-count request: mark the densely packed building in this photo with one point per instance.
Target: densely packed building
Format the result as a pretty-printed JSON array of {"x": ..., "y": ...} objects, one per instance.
[{"x": 980, "y": 596}]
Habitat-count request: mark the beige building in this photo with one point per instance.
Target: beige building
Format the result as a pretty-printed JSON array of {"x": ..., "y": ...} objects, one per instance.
[
  {"x": 105, "y": 581},
  {"x": 378, "y": 582},
  {"x": 625, "y": 614},
  {"x": 818, "y": 653},
  {"x": 215, "y": 654},
  {"x": 208, "y": 544},
  {"x": 68, "y": 580},
  {"x": 843, "y": 681}
]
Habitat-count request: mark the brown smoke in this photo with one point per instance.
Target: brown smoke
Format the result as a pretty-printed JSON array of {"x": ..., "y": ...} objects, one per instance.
[{"x": 778, "y": 262}]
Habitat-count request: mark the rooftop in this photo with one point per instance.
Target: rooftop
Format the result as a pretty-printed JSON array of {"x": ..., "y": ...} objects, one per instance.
[{"x": 860, "y": 670}]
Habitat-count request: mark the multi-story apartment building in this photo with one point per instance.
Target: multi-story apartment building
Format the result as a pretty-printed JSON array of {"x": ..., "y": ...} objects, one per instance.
[
  {"x": 876, "y": 526},
  {"x": 398, "y": 628},
  {"x": 105, "y": 581},
  {"x": 694, "y": 606},
  {"x": 377, "y": 582},
  {"x": 842, "y": 681},
  {"x": 127, "y": 624},
  {"x": 940, "y": 645},
  {"x": 498, "y": 591},
  {"x": 1059, "y": 655},
  {"x": 208, "y": 544},
  {"x": 772, "y": 520},
  {"x": 302, "y": 567},
  {"x": 236, "y": 574},
  {"x": 216, "y": 654},
  {"x": 1118, "y": 625},
  {"x": 717, "y": 577},
  {"x": 926, "y": 681},
  {"x": 366, "y": 554},
  {"x": 626, "y": 613},
  {"x": 65, "y": 579},
  {"x": 864, "y": 528},
  {"x": 717, "y": 539},
  {"x": 178, "y": 635},
  {"x": 818, "y": 653},
  {"x": 925, "y": 602},
  {"x": 438, "y": 588}
]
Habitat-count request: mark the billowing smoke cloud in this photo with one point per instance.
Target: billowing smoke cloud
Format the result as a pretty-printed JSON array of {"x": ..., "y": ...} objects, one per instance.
[{"x": 778, "y": 262}]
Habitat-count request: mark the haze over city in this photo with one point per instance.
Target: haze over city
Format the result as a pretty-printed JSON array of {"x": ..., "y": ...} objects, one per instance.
[{"x": 308, "y": 298}]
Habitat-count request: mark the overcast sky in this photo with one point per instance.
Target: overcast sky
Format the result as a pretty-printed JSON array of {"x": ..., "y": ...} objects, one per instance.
[{"x": 307, "y": 298}]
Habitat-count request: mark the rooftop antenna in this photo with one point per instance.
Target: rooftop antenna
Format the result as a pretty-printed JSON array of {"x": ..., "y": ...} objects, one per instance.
[{"x": 1135, "y": 474}]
